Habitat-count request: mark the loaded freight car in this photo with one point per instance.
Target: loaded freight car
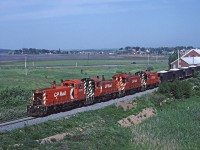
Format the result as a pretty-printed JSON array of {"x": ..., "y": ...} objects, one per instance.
[
  {"x": 165, "y": 76},
  {"x": 171, "y": 75},
  {"x": 198, "y": 68},
  {"x": 175, "y": 74},
  {"x": 192, "y": 70},
  {"x": 185, "y": 72}
]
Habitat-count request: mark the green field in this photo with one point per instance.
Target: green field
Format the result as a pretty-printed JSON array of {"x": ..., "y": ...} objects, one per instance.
[
  {"x": 43, "y": 77},
  {"x": 85, "y": 62}
]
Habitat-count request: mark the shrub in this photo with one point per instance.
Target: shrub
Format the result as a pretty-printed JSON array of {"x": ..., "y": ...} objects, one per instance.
[
  {"x": 14, "y": 96},
  {"x": 150, "y": 68},
  {"x": 187, "y": 89},
  {"x": 118, "y": 71},
  {"x": 164, "y": 88},
  {"x": 197, "y": 75},
  {"x": 157, "y": 99},
  {"x": 177, "y": 89}
]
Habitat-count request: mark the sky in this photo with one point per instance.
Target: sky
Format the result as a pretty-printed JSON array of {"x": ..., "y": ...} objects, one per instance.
[{"x": 96, "y": 24}]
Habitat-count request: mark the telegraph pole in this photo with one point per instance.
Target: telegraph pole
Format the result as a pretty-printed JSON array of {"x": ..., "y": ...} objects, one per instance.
[
  {"x": 88, "y": 57},
  {"x": 178, "y": 59},
  {"x": 157, "y": 57},
  {"x": 25, "y": 65}
]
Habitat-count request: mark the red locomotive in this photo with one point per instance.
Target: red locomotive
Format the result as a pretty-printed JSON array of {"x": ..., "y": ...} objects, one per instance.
[
  {"x": 148, "y": 79},
  {"x": 75, "y": 93},
  {"x": 127, "y": 83}
]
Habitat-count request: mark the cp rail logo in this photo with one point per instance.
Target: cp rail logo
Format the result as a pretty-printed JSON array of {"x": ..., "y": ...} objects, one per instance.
[{"x": 56, "y": 94}]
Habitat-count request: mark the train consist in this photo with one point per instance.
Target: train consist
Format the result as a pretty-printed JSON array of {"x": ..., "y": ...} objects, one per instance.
[{"x": 76, "y": 93}]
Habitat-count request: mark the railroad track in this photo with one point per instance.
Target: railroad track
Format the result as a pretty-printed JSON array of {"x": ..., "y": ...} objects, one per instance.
[{"x": 16, "y": 121}]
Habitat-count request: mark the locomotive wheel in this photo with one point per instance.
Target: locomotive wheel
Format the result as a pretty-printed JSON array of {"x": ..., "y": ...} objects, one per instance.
[
  {"x": 114, "y": 95},
  {"x": 80, "y": 104}
]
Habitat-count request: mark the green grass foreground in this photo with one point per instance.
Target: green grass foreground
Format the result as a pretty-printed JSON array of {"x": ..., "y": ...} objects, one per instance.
[{"x": 176, "y": 126}]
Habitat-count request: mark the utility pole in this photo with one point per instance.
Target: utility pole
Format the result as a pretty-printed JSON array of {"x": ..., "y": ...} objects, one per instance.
[
  {"x": 178, "y": 59},
  {"x": 157, "y": 57},
  {"x": 148, "y": 58},
  {"x": 88, "y": 57},
  {"x": 25, "y": 66}
]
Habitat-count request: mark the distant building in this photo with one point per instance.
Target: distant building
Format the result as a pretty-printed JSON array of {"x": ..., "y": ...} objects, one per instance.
[{"x": 191, "y": 57}]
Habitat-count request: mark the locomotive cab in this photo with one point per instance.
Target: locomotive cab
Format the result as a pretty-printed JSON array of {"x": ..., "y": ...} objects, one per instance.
[{"x": 76, "y": 89}]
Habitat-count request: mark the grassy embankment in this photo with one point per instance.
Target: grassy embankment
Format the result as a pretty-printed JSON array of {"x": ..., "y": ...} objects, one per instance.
[
  {"x": 176, "y": 126},
  {"x": 15, "y": 87}
]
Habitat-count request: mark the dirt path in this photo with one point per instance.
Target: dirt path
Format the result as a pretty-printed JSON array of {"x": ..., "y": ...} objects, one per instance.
[{"x": 136, "y": 119}]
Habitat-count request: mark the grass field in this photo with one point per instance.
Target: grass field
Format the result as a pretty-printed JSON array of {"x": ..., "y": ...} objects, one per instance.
[
  {"x": 81, "y": 62},
  {"x": 177, "y": 126},
  {"x": 42, "y": 77}
]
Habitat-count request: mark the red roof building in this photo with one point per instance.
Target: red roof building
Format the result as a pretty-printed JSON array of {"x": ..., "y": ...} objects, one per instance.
[{"x": 192, "y": 57}]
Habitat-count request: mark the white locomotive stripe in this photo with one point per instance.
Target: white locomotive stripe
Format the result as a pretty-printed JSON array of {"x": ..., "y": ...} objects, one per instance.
[
  {"x": 71, "y": 91},
  {"x": 33, "y": 97}
]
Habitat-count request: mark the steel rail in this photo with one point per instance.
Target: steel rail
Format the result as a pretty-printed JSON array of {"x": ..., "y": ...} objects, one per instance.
[{"x": 16, "y": 121}]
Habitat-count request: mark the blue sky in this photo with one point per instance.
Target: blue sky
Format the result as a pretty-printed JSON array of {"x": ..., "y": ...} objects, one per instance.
[{"x": 83, "y": 24}]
